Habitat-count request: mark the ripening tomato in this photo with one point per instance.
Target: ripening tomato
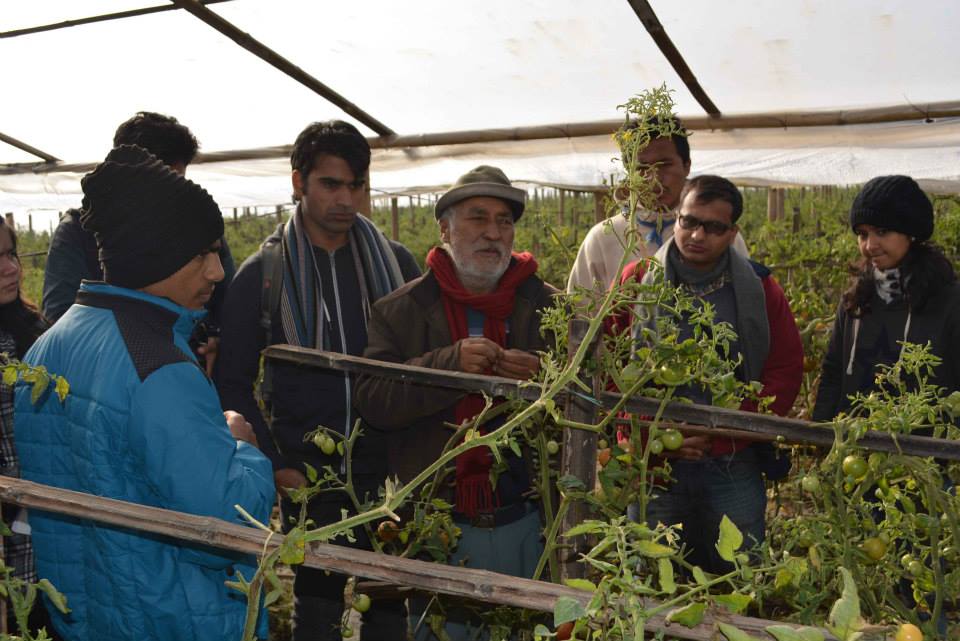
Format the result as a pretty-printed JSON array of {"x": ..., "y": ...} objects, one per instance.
[
  {"x": 909, "y": 632},
  {"x": 388, "y": 531},
  {"x": 603, "y": 456},
  {"x": 564, "y": 630}
]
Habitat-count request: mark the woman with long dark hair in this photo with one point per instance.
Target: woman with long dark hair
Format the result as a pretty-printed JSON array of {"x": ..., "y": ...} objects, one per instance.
[
  {"x": 20, "y": 325},
  {"x": 904, "y": 290}
]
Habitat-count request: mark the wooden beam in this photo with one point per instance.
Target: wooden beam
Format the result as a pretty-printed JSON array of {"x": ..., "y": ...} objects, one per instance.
[
  {"x": 772, "y": 120},
  {"x": 273, "y": 58},
  {"x": 478, "y": 585},
  {"x": 92, "y": 19},
  {"x": 792, "y": 430},
  {"x": 10, "y": 140},
  {"x": 579, "y": 459},
  {"x": 653, "y": 26}
]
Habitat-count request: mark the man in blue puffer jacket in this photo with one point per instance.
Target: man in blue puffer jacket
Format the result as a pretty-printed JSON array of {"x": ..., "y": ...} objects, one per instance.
[{"x": 142, "y": 422}]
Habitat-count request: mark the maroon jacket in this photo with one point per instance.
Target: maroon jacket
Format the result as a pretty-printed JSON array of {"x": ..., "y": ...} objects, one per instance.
[{"x": 783, "y": 370}]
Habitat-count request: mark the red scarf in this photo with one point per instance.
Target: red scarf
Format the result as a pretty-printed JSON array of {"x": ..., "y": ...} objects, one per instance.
[{"x": 474, "y": 491}]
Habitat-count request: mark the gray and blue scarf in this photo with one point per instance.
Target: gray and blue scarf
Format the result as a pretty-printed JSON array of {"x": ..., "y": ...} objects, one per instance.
[{"x": 302, "y": 308}]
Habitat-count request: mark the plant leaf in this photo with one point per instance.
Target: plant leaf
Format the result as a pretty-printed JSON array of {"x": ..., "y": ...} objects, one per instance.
[
  {"x": 567, "y": 609},
  {"x": 580, "y": 584},
  {"x": 690, "y": 615},
  {"x": 730, "y": 539},
  {"x": 699, "y": 576},
  {"x": 786, "y": 633},
  {"x": 735, "y": 602},
  {"x": 9, "y": 375},
  {"x": 667, "y": 583},
  {"x": 654, "y": 550},
  {"x": 58, "y": 600},
  {"x": 62, "y": 388},
  {"x": 844, "y": 620},
  {"x": 733, "y": 633},
  {"x": 587, "y": 527}
]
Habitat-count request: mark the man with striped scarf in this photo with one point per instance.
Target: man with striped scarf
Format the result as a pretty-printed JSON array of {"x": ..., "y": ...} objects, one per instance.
[{"x": 332, "y": 265}]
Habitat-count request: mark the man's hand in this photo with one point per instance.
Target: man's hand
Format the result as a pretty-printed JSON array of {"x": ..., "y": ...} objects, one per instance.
[
  {"x": 477, "y": 355},
  {"x": 693, "y": 448},
  {"x": 209, "y": 351},
  {"x": 240, "y": 428},
  {"x": 516, "y": 363},
  {"x": 289, "y": 477}
]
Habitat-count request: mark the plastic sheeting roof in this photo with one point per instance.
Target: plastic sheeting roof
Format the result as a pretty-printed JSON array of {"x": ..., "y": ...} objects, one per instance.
[{"x": 442, "y": 65}]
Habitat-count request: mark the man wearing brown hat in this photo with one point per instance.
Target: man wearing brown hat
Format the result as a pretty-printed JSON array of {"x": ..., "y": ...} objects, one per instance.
[
  {"x": 476, "y": 310},
  {"x": 142, "y": 422}
]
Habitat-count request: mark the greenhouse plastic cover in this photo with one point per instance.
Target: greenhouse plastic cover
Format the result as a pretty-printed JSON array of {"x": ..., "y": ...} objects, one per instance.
[{"x": 431, "y": 66}]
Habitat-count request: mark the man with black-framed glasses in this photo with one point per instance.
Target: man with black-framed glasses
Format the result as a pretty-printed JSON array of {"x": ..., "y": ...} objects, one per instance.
[{"x": 713, "y": 477}]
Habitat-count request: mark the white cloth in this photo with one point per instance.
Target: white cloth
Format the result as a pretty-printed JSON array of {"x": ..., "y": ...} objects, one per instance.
[{"x": 599, "y": 255}]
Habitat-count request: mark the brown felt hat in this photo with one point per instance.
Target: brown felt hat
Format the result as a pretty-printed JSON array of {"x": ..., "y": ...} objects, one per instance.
[{"x": 483, "y": 181}]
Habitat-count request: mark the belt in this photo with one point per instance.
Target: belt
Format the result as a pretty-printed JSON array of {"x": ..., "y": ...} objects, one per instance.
[{"x": 498, "y": 517}]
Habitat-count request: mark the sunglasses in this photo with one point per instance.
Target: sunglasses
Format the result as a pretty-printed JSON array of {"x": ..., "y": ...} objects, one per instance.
[{"x": 714, "y": 227}]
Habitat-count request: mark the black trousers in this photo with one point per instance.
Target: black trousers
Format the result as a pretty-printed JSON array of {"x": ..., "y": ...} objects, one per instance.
[{"x": 318, "y": 595}]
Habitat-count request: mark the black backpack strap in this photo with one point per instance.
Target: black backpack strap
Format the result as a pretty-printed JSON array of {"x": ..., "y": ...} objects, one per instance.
[{"x": 271, "y": 260}]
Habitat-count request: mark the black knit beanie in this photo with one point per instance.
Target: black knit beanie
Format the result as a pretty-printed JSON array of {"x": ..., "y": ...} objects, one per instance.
[
  {"x": 149, "y": 221},
  {"x": 896, "y": 203}
]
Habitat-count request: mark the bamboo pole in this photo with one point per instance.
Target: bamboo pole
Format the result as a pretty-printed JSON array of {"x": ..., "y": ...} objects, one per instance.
[
  {"x": 579, "y": 459},
  {"x": 22, "y": 146},
  {"x": 394, "y": 218},
  {"x": 653, "y": 26},
  {"x": 478, "y": 585},
  {"x": 790, "y": 430},
  {"x": 274, "y": 59},
  {"x": 563, "y": 201},
  {"x": 92, "y": 19},
  {"x": 771, "y": 120},
  {"x": 599, "y": 212}
]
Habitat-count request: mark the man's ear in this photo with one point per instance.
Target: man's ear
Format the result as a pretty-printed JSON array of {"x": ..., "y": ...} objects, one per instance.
[
  {"x": 444, "y": 229},
  {"x": 686, "y": 169},
  {"x": 296, "y": 179}
]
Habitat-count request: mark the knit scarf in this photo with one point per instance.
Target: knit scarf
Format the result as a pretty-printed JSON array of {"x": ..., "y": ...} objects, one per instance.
[
  {"x": 302, "y": 309},
  {"x": 889, "y": 284},
  {"x": 474, "y": 492}
]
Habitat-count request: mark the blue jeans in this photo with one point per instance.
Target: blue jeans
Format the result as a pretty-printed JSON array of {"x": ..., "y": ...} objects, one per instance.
[
  {"x": 698, "y": 496},
  {"x": 512, "y": 549}
]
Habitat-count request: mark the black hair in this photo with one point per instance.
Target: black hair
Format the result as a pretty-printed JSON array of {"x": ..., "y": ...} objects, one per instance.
[
  {"x": 333, "y": 138},
  {"x": 679, "y": 137},
  {"x": 709, "y": 188},
  {"x": 21, "y": 318},
  {"x": 924, "y": 271},
  {"x": 161, "y": 135}
]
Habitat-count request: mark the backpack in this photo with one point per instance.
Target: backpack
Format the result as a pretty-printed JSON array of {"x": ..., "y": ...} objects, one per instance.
[{"x": 271, "y": 260}]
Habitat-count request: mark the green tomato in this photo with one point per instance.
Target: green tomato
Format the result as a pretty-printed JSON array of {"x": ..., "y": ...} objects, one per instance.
[
  {"x": 361, "y": 603},
  {"x": 656, "y": 446},
  {"x": 854, "y": 466},
  {"x": 671, "y": 376},
  {"x": 906, "y": 560},
  {"x": 346, "y": 633},
  {"x": 328, "y": 446},
  {"x": 810, "y": 483},
  {"x": 874, "y": 548},
  {"x": 672, "y": 439},
  {"x": 552, "y": 447},
  {"x": 915, "y": 568},
  {"x": 602, "y": 444}
]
